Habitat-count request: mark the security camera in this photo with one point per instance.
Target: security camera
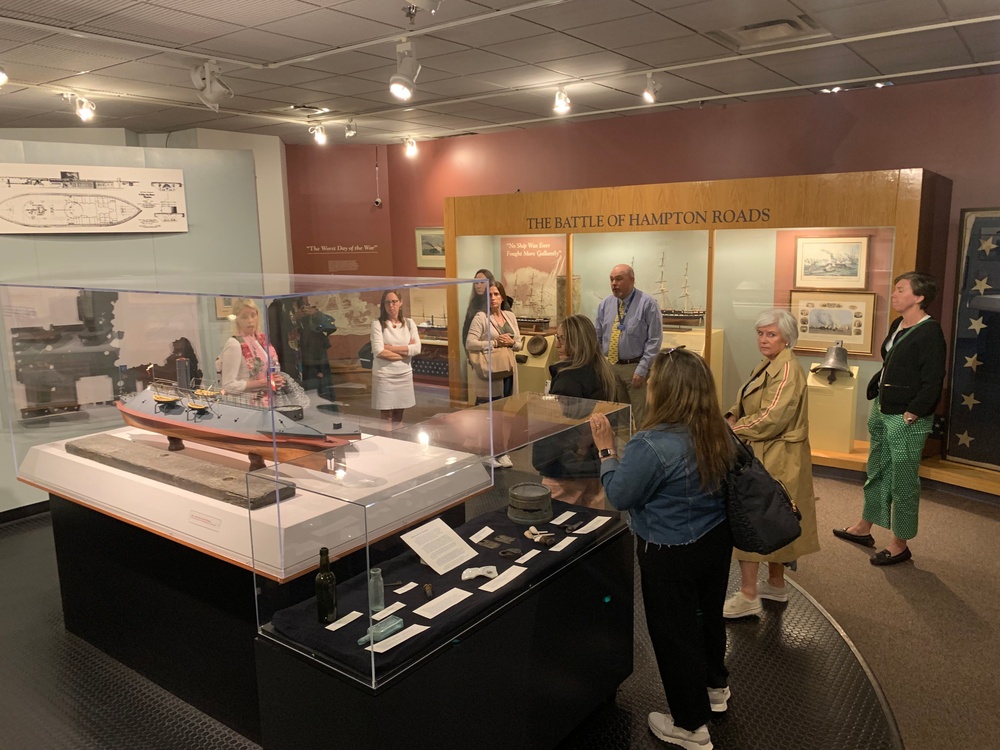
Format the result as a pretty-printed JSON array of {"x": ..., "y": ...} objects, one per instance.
[{"x": 378, "y": 203}]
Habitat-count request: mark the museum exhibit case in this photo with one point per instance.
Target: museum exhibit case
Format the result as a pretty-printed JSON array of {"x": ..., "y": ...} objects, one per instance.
[
  {"x": 440, "y": 576},
  {"x": 715, "y": 254},
  {"x": 134, "y": 405}
]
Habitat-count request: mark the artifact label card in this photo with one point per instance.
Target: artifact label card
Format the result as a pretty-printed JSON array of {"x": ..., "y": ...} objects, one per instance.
[
  {"x": 439, "y": 546},
  {"x": 387, "y": 611},
  {"x": 563, "y": 518},
  {"x": 563, "y": 544},
  {"x": 341, "y": 622},
  {"x": 394, "y": 640},
  {"x": 404, "y": 589},
  {"x": 503, "y": 579},
  {"x": 527, "y": 556},
  {"x": 438, "y": 605},
  {"x": 480, "y": 535},
  {"x": 594, "y": 525}
]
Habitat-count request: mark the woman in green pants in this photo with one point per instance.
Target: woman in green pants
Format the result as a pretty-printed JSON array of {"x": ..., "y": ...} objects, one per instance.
[{"x": 905, "y": 392}]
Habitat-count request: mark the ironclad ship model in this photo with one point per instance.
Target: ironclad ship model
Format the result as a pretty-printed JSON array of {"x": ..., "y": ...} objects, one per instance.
[{"x": 231, "y": 421}]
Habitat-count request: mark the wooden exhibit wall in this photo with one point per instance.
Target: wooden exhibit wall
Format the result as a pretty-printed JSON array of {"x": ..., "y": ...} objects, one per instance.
[{"x": 888, "y": 198}]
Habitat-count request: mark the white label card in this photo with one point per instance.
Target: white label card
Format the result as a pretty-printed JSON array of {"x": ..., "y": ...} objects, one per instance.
[
  {"x": 503, "y": 579},
  {"x": 481, "y": 535},
  {"x": 341, "y": 622},
  {"x": 527, "y": 556},
  {"x": 563, "y": 544},
  {"x": 563, "y": 518},
  {"x": 404, "y": 589},
  {"x": 387, "y": 611},
  {"x": 439, "y": 546},
  {"x": 439, "y": 604},
  {"x": 593, "y": 525},
  {"x": 394, "y": 640}
]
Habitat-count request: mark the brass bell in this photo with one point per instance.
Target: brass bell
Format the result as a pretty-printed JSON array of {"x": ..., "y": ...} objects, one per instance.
[{"x": 836, "y": 361}]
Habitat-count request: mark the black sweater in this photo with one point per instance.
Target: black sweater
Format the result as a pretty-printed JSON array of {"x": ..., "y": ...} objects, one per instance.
[
  {"x": 914, "y": 370},
  {"x": 572, "y": 453}
]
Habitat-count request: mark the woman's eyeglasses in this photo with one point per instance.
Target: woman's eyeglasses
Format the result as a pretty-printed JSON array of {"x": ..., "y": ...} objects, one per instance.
[{"x": 559, "y": 337}]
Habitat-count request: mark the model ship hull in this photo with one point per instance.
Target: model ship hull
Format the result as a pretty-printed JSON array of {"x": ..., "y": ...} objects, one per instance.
[
  {"x": 683, "y": 317},
  {"x": 533, "y": 325},
  {"x": 228, "y": 425}
]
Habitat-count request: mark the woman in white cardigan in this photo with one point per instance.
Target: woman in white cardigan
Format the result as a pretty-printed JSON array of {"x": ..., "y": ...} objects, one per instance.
[{"x": 395, "y": 341}]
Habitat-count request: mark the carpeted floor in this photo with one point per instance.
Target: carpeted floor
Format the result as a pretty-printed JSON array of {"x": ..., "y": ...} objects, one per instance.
[{"x": 930, "y": 628}]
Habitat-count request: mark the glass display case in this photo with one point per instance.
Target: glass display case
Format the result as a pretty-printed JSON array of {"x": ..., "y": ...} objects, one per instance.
[
  {"x": 450, "y": 547},
  {"x": 150, "y": 398}
]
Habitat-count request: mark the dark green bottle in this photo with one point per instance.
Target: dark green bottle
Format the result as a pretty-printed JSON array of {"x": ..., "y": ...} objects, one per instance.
[{"x": 326, "y": 589}]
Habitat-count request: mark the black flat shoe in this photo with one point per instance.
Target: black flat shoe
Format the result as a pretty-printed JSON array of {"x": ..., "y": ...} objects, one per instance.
[
  {"x": 866, "y": 540},
  {"x": 885, "y": 557}
]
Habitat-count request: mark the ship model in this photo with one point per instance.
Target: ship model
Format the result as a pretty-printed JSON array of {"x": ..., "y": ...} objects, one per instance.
[
  {"x": 231, "y": 421},
  {"x": 431, "y": 328},
  {"x": 531, "y": 316},
  {"x": 685, "y": 315}
]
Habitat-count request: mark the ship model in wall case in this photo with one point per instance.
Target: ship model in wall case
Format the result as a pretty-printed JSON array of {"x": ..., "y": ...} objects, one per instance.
[{"x": 686, "y": 314}]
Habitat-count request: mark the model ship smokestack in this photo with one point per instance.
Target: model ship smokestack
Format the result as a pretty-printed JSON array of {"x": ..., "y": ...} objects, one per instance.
[{"x": 183, "y": 373}]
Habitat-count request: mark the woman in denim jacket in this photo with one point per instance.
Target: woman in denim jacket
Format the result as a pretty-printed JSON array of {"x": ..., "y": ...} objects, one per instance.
[{"x": 669, "y": 480}]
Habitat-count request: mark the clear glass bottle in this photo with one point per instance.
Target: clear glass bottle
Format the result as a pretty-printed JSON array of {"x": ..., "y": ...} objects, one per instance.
[
  {"x": 376, "y": 591},
  {"x": 326, "y": 589}
]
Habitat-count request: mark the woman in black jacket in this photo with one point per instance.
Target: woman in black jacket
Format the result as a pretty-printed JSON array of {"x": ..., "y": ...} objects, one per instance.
[
  {"x": 568, "y": 462},
  {"x": 905, "y": 392}
]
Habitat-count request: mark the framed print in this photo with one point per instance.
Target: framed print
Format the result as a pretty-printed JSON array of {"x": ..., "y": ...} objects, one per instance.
[
  {"x": 223, "y": 307},
  {"x": 831, "y": 262},
  {"x": 430, "y": 248},
  {"x": 826, "y": 317}
]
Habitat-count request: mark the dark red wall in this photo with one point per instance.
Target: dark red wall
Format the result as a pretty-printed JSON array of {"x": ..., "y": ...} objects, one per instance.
[{"x": 949, "y": 127}]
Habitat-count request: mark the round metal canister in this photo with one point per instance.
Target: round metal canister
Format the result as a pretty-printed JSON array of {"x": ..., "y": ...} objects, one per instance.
[{"x": 530, "y": 503}]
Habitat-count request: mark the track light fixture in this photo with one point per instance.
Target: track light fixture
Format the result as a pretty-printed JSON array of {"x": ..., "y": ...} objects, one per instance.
[
  {"x": 3, "y": 76},
  {"x": 209, "y": 84},
  {"x": 833, "y": 90},
  {"x": 411, "y": 147},
  {"x": 83, "y": 107},
  {"x": 652, "y": 89},
  {"x": 404, "y": 80},
  {"x": 561, "y": 105},
  {"x": 319, "y": 133},
  {"x": 350, "y": 129}
]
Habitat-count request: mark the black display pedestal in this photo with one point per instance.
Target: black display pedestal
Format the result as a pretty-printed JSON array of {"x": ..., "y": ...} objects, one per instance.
[
  {"x": 523, "y": 678},
  {"x": 178, "y": 616}
]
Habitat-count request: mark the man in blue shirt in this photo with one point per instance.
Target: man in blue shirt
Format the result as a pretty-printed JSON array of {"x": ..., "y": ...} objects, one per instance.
[{"x": 630, "y": 328}]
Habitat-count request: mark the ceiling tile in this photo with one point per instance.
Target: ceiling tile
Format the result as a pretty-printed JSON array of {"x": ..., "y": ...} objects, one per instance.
[
  {"x": 19, "y": 73},
  {"x": 983, "y": 40},
  {"x": 537, "y": 49},
  {"x": 64, "y": 13},
  {"x": 142, "y": 71},
  {"x": 32, "y": 54},
  {"x": 344, "y": 63},
  {"x": 582, "y": 13},
  {"x": 344, "y": 85},
  {"x": 329, "y": 28},
  {"x": 243, "y": 12},
  {"x": 822, "y": 65},
  {"x": 683, "y": 49},
  {"x": 649, "y": 27},
  {"x": 468, "y": 62},
  {"x": 493, "y": 31},
  {"x": 148, "y": 23},
  {"x": 257, "y": 46},
  {"x": 287, "y": 75},
  {"x": 735, "y": 77},
  {"x": 14, "y": 33},
  {"x": 528, "y": 75},
  {"x": 928, "y": 49},
  {"x": 712, "y": 15},
  {"x": 879, "y": 16},
  {"x": 392, "y": 12},
  {"x": 598, "y": 63},
  {"x": 459, "y": 86},
  {"x": 969, "y": 8}
]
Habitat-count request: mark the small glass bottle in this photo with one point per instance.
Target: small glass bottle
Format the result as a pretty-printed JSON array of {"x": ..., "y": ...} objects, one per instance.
[
  {"x": 326, "y": 589},
  {"x": 376, "y": 592}
]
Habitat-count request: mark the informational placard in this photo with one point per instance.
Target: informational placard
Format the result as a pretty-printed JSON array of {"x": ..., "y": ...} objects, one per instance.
[
  {"x": 64, "y": 199},
  {"x": 439, "y": 546}
]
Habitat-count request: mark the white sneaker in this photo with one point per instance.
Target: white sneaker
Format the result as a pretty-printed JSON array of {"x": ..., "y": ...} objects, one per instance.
[
  {"x": 718, "y": 699},
  {"x": 505, "y": 461},
  {"x": 492, "y": 462},
  {"x": 738, "y": 605},
  {"x": 662, "y": 725},
  {"x": 775, "y": 593}
]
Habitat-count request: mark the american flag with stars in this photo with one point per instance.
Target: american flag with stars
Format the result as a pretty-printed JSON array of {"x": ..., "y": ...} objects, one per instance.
[{"x": 974, "y": 411}]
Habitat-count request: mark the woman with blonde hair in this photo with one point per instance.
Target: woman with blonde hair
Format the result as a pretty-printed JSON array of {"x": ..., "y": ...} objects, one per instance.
[
  {"x": 669, "y": 479},
  {"x": 249, "y": 364},
  {"x": 568, "y": 462}
]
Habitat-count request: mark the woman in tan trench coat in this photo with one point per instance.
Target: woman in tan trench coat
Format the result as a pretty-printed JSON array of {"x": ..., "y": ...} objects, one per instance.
[{"x": 772, "y": 416}]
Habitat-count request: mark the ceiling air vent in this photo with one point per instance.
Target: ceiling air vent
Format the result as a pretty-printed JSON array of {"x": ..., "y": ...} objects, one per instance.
[
  {"x": 779, "y": 32},
  {"x": 308, "y": 110}
]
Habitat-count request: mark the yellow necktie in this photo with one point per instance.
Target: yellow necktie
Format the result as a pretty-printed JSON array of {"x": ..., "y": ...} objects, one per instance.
[{"x": 616, "y": 332}]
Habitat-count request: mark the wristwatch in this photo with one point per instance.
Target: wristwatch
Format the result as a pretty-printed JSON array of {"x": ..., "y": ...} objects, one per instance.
[{"x": 606, "y": 453}]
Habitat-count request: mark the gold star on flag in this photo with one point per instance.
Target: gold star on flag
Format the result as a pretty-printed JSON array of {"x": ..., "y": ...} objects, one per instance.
[
  {"x": 987, "y": 245},
  {"x": 969, "y": 400},
  {"x": 972, "y": 362},
  {"x": 976, "y": 324},
  {"x": 981, "y": 286},
  {"x": 965, "y": 439}
]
